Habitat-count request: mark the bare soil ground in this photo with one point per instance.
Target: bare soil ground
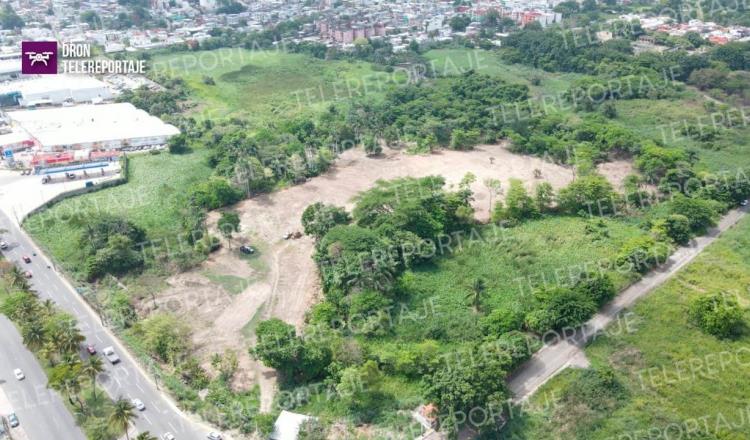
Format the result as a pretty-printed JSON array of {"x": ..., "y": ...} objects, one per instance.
[
  {"x": 616, "y": 171},
  {"x": 282, "y": 280}
]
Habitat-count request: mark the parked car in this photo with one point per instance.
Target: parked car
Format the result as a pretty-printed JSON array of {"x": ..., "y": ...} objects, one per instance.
[
  {"x": 3, "y": 245},
  {"x": 214, "y": 436},
  {"x": 26, "y": 259},
  {"x": 138, "y": 404},
  {"x": 19, "y": 374},
  {"x": 744, "y": 202},
  {"x": 168, "y": 436},
  {"x": 110, "y": 354},
  {"x": 91, "y": 349},
  {"x": 27, "y": 274},
  {"x": 247, "y": 249},
  {"x": 13, "y": 420}
]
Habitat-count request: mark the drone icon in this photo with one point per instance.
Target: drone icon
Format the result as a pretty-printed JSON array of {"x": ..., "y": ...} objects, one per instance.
[{"x": 39, "y": 57}]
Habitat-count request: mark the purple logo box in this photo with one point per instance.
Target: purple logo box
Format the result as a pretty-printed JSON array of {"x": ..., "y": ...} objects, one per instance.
[{"x": 39, "y": 57}]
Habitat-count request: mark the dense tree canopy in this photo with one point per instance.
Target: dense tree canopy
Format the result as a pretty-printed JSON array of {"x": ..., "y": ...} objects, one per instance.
[{"x": 318, "y": 219}]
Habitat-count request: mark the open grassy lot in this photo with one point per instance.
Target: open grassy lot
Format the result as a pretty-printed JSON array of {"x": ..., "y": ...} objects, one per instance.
[
  {"x": 267, "y": 85},
  {"x": 664, "y": 119},
  {"x": 457, "y": 61},
  {"x": 153, "y": 198},
  {"x": 659, "y": 119},
  {"x": 675, "y": 377},
  {"x": 514, "y": 262}
]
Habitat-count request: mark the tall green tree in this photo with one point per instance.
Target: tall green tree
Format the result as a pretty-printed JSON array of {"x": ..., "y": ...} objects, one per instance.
[
  {"x": 318, "y": 219},
  {"x": 91, "y": 368},
  {"x": 66, "y": 378},
  {"x": 122, "y": 415},
  {"x": 16, "y": 279},
  {"x": 494, "y": 186},
  {"x": 518, "y": 204},
  {"x": 33, "y": 334},
  {"x": 228, "y": 224}
]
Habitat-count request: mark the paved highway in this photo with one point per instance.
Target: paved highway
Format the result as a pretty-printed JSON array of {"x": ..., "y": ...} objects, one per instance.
[
  {"x": 124, "y": 379},
  {"x": 41, "y": 411}
]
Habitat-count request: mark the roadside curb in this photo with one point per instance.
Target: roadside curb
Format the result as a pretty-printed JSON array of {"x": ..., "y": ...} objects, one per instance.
[{"x": 190, "y": 418}]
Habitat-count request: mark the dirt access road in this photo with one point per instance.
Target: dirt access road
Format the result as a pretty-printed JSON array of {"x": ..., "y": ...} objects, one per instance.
[{"x": 282, "y": 280}]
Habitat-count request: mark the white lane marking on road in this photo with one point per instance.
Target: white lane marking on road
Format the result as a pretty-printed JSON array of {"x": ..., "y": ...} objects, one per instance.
[
  {"x": 98, "y": 338},
  {"x": 138, "y": 385},
  {"x": 172, "y": 426},
  {"x": 147, "y": 419}
]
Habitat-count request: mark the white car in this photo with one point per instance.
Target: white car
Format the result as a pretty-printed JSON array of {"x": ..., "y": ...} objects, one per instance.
[
  {"x": 3, "y": 245},
  {"x": 110, "y": 354},
  {"x": 168, "y": 436},
  {"x": 214, "y": 436},
  {"x": 138, "y": 404},
  {"x": 19, "y": 374},
  {"x": 743, "y": 203}
]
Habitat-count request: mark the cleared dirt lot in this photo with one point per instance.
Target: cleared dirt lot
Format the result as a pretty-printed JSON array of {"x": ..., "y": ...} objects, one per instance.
[{"x": 230, "y": 293}]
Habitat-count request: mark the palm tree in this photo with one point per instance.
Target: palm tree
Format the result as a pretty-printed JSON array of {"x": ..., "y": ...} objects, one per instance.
[
  {"x": 122, "y": 415},
  {"x": 28, "y": 309},
  {"x": 477, "y": 291},
  {"x": 92, "y": 368},
  {"x": 66, "y": 379},
  {"x": 34, "y": 335},
  {"x": 16, "y": 279},
  {"x": 49, "y": 351},
  {"x": 71, "y": 359},
  {"x": 48, "y": 307},
  {"x": 145, "y": 436},
  {"x": 70, "y": 337}
]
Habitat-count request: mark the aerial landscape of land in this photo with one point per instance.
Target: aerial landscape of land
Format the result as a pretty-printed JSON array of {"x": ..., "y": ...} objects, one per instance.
[{"x": 491, "y": 221}]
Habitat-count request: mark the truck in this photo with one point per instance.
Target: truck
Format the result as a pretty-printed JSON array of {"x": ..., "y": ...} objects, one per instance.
[{"x": 110, "y": 354}]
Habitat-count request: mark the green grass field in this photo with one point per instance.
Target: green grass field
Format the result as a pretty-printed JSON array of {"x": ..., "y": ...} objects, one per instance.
[
  {"x": 153, "y": 198},
  {"x": 674, "y": 374},
  {"x": 432, "y": 303},
  {"x": 264, "y": 86},
  {"x": 457, "y": 61},
  {"x": 514, "y": 262},
  {"x": 663, "y": 120},
  {"x": 660, "y": 119}
]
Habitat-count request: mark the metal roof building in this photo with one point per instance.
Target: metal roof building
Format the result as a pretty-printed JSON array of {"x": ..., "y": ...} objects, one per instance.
[
  {"x": 56, "y": 89},
  {"x": 103, "y": 126}
]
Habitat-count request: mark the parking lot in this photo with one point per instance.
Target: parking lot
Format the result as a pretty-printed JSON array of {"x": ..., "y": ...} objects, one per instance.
[{"x": 21, "y": 194}]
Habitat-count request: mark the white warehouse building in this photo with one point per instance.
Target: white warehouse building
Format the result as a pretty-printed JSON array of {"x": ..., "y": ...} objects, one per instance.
[
  {"x": 55, "y": 90},
  {"x": 104, "y": 126}
]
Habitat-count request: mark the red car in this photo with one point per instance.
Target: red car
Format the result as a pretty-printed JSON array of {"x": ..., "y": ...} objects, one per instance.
[
  {"x": 26, "y": 259},
  {"x": 91, "y": 349},
  {"x": 27, "y": 274}
]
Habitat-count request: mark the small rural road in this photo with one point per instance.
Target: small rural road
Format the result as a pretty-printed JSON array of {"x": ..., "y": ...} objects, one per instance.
[{"x": 553, "y": 358}]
